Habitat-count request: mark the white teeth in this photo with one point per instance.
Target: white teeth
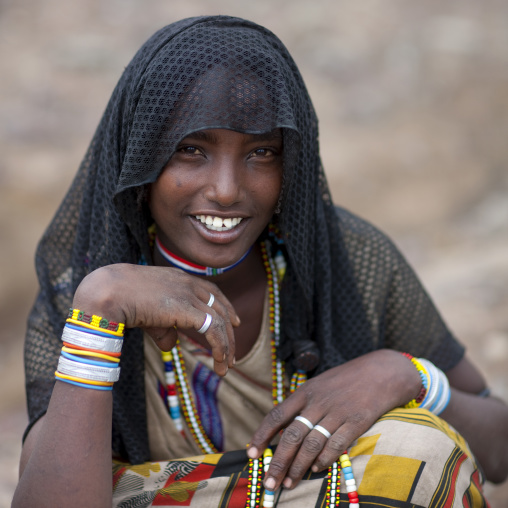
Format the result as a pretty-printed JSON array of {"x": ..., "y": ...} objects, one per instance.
[{"x": 217, "y": 223}]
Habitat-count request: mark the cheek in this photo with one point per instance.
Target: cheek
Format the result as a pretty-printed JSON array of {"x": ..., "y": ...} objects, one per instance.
[
  {"x": 269, "y": 192},
  {"x": 162, "y": 195}
]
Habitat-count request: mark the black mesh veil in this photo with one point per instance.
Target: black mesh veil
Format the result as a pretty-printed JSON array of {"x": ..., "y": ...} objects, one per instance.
[{"x": 347, "y": 288}]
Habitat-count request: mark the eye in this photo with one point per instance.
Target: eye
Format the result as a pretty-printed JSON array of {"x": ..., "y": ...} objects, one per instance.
[
  {"x": 263, "y": 152},
  {"x": 189, "y": 150}
]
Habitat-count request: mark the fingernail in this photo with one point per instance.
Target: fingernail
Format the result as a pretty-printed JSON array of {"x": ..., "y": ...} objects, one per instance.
[
  {"x": 270, "y": 483},
  {"x": 234, "y": 360},
  {"x": 314, "y": 469},
  {"x": 287, "y": 483},
  {"x": 224, "y": 357},
  {"x": 252, "y": 452}
]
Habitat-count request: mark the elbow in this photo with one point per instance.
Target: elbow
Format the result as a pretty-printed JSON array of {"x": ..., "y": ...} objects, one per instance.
[
  {"x": 497, "y": 474},
  {"x": 496, "y": 464}
]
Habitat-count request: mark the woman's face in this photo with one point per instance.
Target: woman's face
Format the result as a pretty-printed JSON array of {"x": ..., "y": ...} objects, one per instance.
[{"x": 229, "y": 179}]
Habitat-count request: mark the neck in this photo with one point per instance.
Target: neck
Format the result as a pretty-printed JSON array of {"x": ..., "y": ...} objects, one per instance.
[{"x": 193, "y": 268}]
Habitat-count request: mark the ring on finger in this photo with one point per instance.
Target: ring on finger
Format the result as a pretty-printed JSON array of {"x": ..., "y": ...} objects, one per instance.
[
  {"x": 212, "y": 299},
  {"x": 206, "y": 324},
  {"x": 323, "y": 431},
  {"x": 304, "y": 420}
]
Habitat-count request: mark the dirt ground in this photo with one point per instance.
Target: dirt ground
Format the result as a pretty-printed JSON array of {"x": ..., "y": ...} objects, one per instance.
[{"x": 412, "y": 100}]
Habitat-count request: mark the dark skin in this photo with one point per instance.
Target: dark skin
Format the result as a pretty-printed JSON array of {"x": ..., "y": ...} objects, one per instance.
[{"x": 232, "y": 175}]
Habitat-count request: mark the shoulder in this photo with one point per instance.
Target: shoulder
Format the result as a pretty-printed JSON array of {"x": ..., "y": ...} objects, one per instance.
[{"x": 361, "y": 239}]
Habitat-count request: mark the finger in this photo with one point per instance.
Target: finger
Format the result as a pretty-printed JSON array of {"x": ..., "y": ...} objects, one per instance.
[
  {"x": 277, "y": 419},
  {"x": 192, "y": 313},
  {"x": 164, "y": 338},
  {"x": 295, "y": 453},
  {"x": 216, "y": 334},
  {"x": 220, "y": 301},
  {"x": 222, "y": 310},
  {"x": 310, "y": 448},
  {"x": 338, "y": 443}
]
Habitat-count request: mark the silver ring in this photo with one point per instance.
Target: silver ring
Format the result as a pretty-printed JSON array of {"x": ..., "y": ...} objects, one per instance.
[
  {"x": 323, "y": 431},
  {"x": 212, "y": 299},
  {"x": 304, "y": 421},
  {"x": 206, "y": 324}
]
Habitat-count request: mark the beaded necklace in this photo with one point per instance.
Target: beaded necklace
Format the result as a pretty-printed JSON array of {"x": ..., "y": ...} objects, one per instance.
[{"x": 179, "y": 396}]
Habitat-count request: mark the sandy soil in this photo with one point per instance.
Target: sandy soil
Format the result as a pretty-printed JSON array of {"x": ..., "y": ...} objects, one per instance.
[{"x": 413, "y": 107}]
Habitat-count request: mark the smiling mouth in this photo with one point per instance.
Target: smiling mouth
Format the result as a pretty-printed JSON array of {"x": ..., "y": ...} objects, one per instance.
[{"x": 218, "y": 223}]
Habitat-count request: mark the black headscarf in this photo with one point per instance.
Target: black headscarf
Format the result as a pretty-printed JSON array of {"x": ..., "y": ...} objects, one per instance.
[{"x": 346, "y": 287}]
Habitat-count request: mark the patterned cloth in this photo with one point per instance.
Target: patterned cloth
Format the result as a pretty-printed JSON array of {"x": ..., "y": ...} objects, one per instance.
[{"x": 409, "y": 458}]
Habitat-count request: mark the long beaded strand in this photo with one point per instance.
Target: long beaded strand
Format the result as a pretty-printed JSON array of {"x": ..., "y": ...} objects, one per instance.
[
  {"x": 347, "y": 470},
  {"x": 333, "y": 485},
  {"x": 172, "y": 397},
  {"x": 187, "y": 403},
  {"x": 273, "y": 296},
  {"x": 254, "y": 478}
]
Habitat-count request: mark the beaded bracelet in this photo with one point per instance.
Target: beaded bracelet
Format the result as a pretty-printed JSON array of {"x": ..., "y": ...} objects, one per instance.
[
  {"x": 86, "y": 337},
  {"x": 424, "y": 375},
  {"x": 94, "y": 322}
]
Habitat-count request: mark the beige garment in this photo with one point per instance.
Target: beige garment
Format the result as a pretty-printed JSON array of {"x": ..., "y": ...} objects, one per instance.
[{"x": 244, "y": 395}]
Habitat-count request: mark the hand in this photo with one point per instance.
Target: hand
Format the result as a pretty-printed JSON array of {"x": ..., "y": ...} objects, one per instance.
[
  {"x": 345, "y": 400},
  {"x": 161, "y": 299}
]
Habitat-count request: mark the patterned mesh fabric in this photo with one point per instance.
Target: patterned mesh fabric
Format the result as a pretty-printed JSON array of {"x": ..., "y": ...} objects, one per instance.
[{"x": 347, "y": 288}]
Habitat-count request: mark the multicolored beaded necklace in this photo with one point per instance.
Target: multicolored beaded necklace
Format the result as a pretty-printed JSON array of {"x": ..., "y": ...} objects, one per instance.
[{"x": 179, "y": 396}]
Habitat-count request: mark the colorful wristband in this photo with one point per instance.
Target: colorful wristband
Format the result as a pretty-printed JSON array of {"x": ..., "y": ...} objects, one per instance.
[
  {"x": 85, "y": 339},
  {"x": 424, "y": 375}
]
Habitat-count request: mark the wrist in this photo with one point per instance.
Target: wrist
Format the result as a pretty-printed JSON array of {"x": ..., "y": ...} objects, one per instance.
[
  {"x": 91, "y": 351},
  {"x": 99, "y": 293}
]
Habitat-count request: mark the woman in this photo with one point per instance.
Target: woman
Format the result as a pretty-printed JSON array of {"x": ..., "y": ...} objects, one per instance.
[{"x": 202, "y": 192}]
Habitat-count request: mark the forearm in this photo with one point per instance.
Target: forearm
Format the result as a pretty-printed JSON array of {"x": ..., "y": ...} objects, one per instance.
[
  {"x": 483, "y": 422},
  {"x": 70, "y": 462}
]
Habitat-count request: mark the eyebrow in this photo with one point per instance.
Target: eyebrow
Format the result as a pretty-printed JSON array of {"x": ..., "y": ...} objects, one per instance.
[{"x": 208, "y": 135}]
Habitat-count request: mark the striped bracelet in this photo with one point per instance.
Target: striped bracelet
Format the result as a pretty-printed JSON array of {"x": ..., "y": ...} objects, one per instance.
[
  {"x": 78, "y": 336},
  {"x": 87, "y": 371}
]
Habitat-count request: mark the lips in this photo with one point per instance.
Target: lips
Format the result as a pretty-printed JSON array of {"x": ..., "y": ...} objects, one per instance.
[{"x": 216, "y": 223}]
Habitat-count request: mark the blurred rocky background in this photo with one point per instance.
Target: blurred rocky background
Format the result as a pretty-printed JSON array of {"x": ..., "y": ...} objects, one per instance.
[{"x": 413, "y": 105}]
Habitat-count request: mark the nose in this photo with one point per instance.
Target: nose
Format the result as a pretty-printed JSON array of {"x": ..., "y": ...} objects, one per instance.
[{"x": 225, "y": 182}]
